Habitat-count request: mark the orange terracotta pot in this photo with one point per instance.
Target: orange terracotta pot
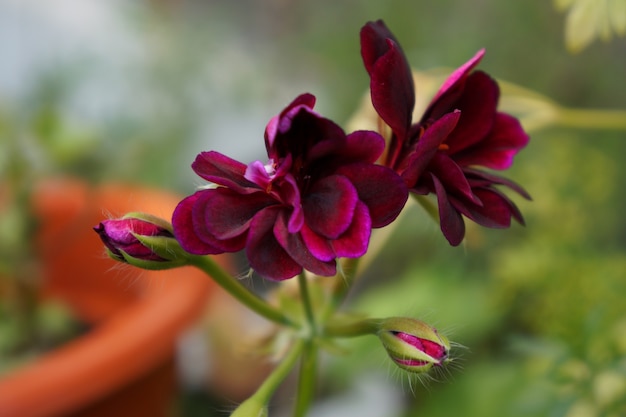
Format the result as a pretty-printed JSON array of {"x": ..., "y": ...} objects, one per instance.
[{"x": 124, "y": 365}]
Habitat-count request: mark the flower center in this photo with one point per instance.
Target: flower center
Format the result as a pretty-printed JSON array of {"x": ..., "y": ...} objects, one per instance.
[{"x": 270, "y": 168}]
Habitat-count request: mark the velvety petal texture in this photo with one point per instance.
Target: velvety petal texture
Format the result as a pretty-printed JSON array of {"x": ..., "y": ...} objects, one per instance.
[
  {"x": 316, "y": 199},
  {"x": 459, "y": 132}
]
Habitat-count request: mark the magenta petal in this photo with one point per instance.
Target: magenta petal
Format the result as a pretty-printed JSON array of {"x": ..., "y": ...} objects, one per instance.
[
  {"x": 329, "y": 206},
  {"x": 222, "y": 170},
  {"x": 266, "y": 256},
  {"x": 381, "y": 189},
  {"x": 295, "y": 246},
  {"x": 450, "y": 221},
  {"x": 353, "y": 243},
  {"x": 257, "y": 173},
  {"x": 498, "y": 149},
  {"x": 228, "y": 214},
  {"x": 427, "y": 146},
  {"x": 184, "y": 228}
]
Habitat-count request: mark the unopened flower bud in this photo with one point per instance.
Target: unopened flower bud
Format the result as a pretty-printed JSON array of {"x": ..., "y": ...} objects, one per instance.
[
  {"x": 413, "y": 345},
  {"x": 142, "y": 240}
]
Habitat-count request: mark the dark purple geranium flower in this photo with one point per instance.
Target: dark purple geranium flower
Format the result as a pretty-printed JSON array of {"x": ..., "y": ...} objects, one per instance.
[
  {"x": 316, "y": 199},
  {"x": 460, "y": 130}
]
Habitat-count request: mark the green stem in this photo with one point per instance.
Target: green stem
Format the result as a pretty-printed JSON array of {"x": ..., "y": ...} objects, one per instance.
[
  {"x": 237, "y": 290},
  {"x": 591, "y": 119},
  {"x": 306, "y": 301},
  {"x": 342, "y": 284},
  {"x": 260, "y": 399},
  {"x": 306, "y": 379},
  {"x": 266, "y": 390},
  {"x": 354, "y": 329}
]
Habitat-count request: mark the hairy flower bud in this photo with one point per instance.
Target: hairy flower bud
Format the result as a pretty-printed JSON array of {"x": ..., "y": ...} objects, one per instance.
[
  {"x": 413, "y": 345},
  {"x": 142, "y": 240}
]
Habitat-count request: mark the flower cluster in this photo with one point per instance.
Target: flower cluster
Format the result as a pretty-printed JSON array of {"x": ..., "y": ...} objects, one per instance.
[
  {"x": 319, "y": 194},
  {"x": 460, "y": 130},
  {"x": 321, "y": 191},
  {"x": 316, "y": 199}
]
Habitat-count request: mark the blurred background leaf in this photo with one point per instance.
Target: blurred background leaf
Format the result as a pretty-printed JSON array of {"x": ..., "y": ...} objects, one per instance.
[{"x": 587, "y": 20}]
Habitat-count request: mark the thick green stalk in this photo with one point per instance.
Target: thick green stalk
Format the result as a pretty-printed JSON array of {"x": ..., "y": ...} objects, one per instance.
[
  {"x": 591, "y": 119},
  {"x": 343, "y": 282},
  {"x": 256, "y": 405},
  {"x": 353, "y": 329},
  {"x": 306, "y": 379},
  {"x": 306, "y": 301},
  {"x": 237, "y": 290}
]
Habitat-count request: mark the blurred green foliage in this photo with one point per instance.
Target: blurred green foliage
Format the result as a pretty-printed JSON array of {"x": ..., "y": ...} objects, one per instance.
[{"x": 539, "y": 308}]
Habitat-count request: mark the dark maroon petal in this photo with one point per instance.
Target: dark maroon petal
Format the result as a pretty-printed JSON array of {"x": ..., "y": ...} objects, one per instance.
[
  {"x": 290, "y": 195},
  {"x": 184, "y": 228},
  {"x": 497, "y": 150},
  {"x": 364, "y": 146},
  {"x": 295, "y": 246},
  {"x": 452, "y": 88},
  {"x": 202, "y": 223},
  {"x": 496, "y": 210},
  {"x": 303, "y": 101},
  {"x": 392, "y": 90},
  {"x": 228, "y": 214},
  {"x": 329, "y": 206},
  {"x": 427, "y": 146},
  {"x": 222, "y": 170},
  {"x": 297, "y": 131},
  {"x": 266, "y": 256},
  {"x": 374, "y": 37},
  {"x": 381, "y": 189},
  {"x": 478, "y": 103},
  {"x": 353, "y": 243},
  {"x": 479, "y": 178},
  {"x": 359, "y": 146},
  {"x": 450, "y": 220},
  {"x": 452, "y": 177},
  {"x": 277, "y": 123}
]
